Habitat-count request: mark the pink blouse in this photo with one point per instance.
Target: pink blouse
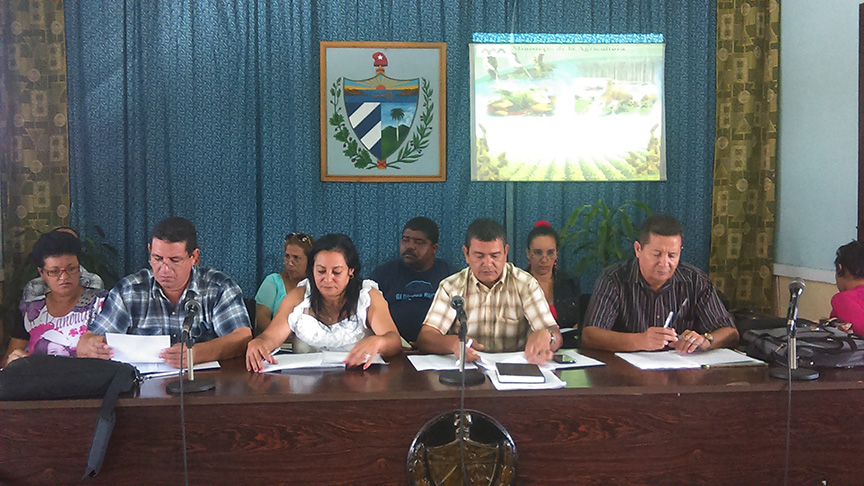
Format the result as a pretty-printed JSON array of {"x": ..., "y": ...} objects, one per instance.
[{"x": 848, "y": 306}]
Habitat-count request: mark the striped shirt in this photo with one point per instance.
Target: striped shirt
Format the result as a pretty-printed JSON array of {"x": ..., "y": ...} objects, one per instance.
[
  {"x": 137, "y": 305},
  {"x": 623, "y": 301},
  {"x": 500, "y": 318}
]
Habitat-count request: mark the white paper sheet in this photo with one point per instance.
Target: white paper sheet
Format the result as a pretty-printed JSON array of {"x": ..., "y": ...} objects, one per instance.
[
  {"x": 324, "y": 359},
  {"x": 672, "y": 360},
  {"x": 579, "y": 360},
  {"x": 552, "y": 382},
  {"x": 437, "y": 362},
  {"x": 488, "y": 360},
  {"x": 434, "y": 362},
  {"x": 132, "y": 348},
  {"x": 161, "y": 370}
]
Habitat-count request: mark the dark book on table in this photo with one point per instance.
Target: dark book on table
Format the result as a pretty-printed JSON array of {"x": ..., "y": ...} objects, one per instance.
[{"x": 519, "y": 373}]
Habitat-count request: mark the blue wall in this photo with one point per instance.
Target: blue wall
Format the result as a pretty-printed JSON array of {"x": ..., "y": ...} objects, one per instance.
[
  {"x": 818, "y": 139},
  {"x": 212, "y": 113}
]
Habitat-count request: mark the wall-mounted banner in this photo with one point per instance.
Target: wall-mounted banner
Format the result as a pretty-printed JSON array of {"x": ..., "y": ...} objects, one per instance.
[{"x": 567, "y": 107}]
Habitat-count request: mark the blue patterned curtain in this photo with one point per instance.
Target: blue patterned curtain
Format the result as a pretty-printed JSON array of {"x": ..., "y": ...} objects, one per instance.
[{"x": 210, "y": 110}]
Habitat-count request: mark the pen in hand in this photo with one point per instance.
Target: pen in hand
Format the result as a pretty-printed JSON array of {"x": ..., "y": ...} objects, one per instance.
[
  {"x": 668, "y": 319},
  {"x": 672, "y": 313}
]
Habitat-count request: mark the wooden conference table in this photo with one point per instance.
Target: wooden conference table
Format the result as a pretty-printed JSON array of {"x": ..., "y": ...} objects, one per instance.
[{"x": 612, "y": 424}]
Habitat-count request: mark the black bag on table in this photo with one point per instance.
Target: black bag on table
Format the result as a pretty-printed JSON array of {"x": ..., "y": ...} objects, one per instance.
[
  {"x": 43, "y": 377},
  {"x": 818, "y": 346}
]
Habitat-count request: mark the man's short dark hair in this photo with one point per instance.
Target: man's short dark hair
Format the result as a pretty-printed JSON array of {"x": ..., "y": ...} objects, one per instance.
[
  {"x": 426, "y": 225},
  {"x": 485, "y": 229},
  {"x": 659, "y": 224},
  {"x": 174, "y": 230}
]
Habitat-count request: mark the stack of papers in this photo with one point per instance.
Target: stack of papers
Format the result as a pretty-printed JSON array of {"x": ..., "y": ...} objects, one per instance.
[
  {"x": 320, "y": 360},
  {"x": 487, "y": 363},
  {"x": 435, "y": 362},
  {"x": 672, "y": 360},
  {"x": 142, "y": 352},
  {"x": 519, "y": 373}
]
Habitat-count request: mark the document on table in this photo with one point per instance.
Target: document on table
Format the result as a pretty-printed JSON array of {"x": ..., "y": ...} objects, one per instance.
[
  {"x": 323, "y": 359},
  {"x": 672, "y": 360},
  {"x": 437, "y": 362},
  {"x": 550, "y": 381},
  {"x": 142, "y": 352},
  {"x": 487, "y": 364},
  {"x": 161, "y": 370},
  {"x": 132, "y": 348},
  {"x": 488, "y": 360}
]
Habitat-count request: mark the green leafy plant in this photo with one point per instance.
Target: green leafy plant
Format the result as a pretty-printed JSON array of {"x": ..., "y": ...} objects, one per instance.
[
  {"x": 100, "y": 258},
  {"x": 598, "y": 235}
]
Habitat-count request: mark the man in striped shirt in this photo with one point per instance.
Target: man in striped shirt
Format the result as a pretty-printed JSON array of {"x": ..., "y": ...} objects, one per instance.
[
  {"x": 654, "y": 301},
  {"x": 506, "y": 309}
]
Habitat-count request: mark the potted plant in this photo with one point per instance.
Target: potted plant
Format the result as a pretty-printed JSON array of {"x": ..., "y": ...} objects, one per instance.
[{"x": 598, "y": 235}]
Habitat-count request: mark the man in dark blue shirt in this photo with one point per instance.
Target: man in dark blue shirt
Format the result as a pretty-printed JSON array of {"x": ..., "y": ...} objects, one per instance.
[{"x": 409, "y": 283}]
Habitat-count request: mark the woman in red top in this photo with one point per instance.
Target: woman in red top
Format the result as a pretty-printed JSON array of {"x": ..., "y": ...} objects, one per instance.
[{"x": 562, "y": 292}]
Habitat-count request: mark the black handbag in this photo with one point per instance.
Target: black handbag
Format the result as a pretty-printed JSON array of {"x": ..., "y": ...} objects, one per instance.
[
  {"x": 817, "y": 347},
  {"x": 43, "y": 377}
]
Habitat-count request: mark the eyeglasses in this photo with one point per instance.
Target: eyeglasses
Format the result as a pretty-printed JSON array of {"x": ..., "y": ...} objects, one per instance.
[
  {"x": 55, "y": 272},
  {"x": 539, "y": 254},
  {"x": 292, "y": 258},
  {"x": 300, "y": 236},
  {"x": 176, "y": 261}
]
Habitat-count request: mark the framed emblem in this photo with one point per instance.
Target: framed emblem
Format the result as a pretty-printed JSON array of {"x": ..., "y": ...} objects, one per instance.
[{"x": 383, "y": 117}]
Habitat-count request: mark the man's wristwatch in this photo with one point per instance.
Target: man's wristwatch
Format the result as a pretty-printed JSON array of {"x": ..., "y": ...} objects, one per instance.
[
  {"x": 552, "y": 338},
  {"x": 710, "y": 338}
]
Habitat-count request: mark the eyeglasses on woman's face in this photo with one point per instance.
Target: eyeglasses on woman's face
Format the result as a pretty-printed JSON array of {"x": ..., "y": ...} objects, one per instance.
[
  {"x": 55, "y": 272},
  {"x": 539, "y": 254}
]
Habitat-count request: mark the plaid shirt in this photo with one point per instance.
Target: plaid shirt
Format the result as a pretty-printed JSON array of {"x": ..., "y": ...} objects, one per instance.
[
  {"x": 499, "y": 318},
  {"x": 137, "y": 305},
  {"x": 623, "y": 301}
]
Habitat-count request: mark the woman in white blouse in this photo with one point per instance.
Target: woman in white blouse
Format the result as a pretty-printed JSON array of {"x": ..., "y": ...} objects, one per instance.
[{"x": 332, "y": 310}]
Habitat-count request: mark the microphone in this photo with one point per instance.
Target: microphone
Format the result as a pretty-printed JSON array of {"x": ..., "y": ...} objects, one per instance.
[
  {"x": 796, "y": 288},
  {"x": 191, "y": 385},
  {"x": 791, "y": 370},
  {"x": 458, "y": 303},
  {"x": 461, "y": 377},
  {"x": 192, "y": 308}
]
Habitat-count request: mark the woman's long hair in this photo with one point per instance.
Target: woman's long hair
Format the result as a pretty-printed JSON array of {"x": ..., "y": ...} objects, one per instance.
[{"x": 344, "y": 245}]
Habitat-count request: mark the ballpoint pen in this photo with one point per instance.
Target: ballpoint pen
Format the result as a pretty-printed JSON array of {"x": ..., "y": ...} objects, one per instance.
[
  {"x": 672, "y": 313},
  {"x": 668, "y": 319}
]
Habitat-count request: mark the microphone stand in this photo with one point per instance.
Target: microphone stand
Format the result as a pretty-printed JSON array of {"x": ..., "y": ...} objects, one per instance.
[
  {"x": 462, "y": 377},
  {"x": 791, "y": 371},
  {"x": 190, "y": 385}
]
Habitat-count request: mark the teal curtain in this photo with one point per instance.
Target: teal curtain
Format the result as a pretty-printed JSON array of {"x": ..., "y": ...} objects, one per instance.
[{"x": 210, "y": 110}]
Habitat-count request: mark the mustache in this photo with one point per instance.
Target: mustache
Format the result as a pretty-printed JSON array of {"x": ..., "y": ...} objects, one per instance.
[{"x": 408, "y": 252}]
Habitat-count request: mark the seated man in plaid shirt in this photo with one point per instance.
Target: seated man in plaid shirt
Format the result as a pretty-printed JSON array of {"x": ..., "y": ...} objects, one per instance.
[
  {"x": 506, "y": 309},
  {"x": 152, "y": 302}
]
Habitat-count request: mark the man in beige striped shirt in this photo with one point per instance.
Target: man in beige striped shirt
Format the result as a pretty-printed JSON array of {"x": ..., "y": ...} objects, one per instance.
[{"x": 505, "y": 307}]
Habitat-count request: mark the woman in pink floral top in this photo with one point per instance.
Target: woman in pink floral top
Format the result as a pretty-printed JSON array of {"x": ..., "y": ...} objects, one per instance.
[{"x": 53, "y": 322}]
